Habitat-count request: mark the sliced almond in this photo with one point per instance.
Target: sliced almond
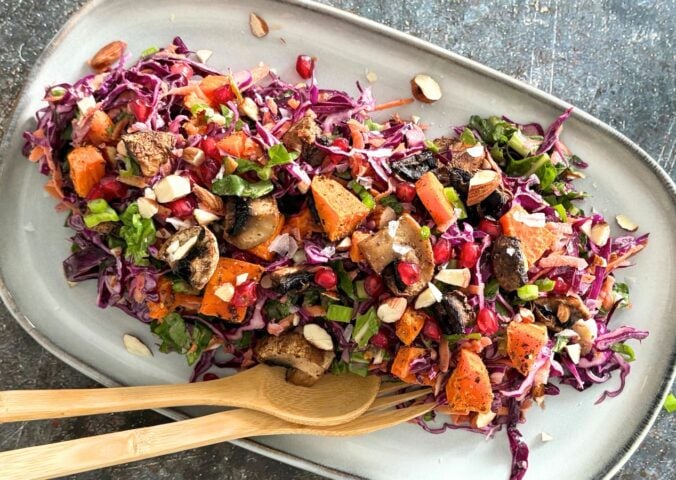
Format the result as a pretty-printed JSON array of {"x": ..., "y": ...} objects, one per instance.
[
  {"x": 259, "y": 27},
  {"x": 194, "y": 156},
  {"x": 391, "y": 309},
  {"x": 107, "y": 56},
  {"x": 208, "y": 201},
  {"x": 203, "y": 55},
  {"x": 249, "y": 108},
  {"x": 136, "y": 346},
  {"x": 147, "y": 207},
  {"x": 318, "y": 337},
  {"x": 425, "y": 89},
  {"x": 458, "y": 277},
  {"x": 483, "y": 419},
  {"x": 626, "y": 223},
  {"x": 225, "y": 292},
  {"x": 203, "y": 217},
  {"x": 481, "y": 185},
  {"x": 599, "y": 234},
  {"x": 344, "y": 245}
]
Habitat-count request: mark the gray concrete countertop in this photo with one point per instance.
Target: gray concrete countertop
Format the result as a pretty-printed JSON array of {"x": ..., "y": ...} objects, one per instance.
[{"x": 613, "y": 58}]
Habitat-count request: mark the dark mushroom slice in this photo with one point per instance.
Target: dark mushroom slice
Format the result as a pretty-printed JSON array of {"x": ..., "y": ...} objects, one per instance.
[
  {"x": 464, "y": 157},
  {"x": 413, "y": 167},
  {"x": 567, "y": 309},
  {"x": 509, "y": 263},
  {"x": 149, "y": 149},
  {"x": 291, "y": 279},
  {"x": 381, "y": 250},
  {"x": 455, "y": 177},
  {"x": 291, "y": 204},
  {"x": 548, "y": 319},
  {"x": 313, "y": 154},
  {"x": 192, "y": 254},
  {"x": 453, "y": 313},
  {"x": 260, "y": 224},
  {"x": 494, "y": 204},
  {"x": 306, "y": 362},
  {"x": 236, "y": 214},
  {"x": 302, "y": 133}
]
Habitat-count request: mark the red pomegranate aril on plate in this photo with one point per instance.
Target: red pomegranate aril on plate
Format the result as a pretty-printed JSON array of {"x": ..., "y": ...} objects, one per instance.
[
  {"x": 140, "y": 109},
  {"x": 208, "y": 146},
  {"x": 245, "y": 294},
  {"x": 408, "y": 272},
  {"x": 431, "y": 329},
  {"x": 469, "y": 254},
  {"x": 182, "y": 69},
  {"x": 490, "y": 227},
  {"x": 326, "y": 278},
  {"x": 487, "y": 321},
  {"x": 305, "y": 65},
  {"x": 405, "y": 192},
  {"x": 442, "y": 251},
  {"x": 380, "y": 340},
  {"x": 344, "y": 145},
  {"x": 373, "y": 286},
  {"x": 223, "y": 95}
]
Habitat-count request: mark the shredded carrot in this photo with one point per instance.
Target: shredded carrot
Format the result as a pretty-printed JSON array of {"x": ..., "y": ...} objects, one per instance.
[
  {"x": 357, "y": 137},
  {"x": 36, "y": 154},
  {"x": 393, "y": 104},
  {"x": 621, "y": 259}
]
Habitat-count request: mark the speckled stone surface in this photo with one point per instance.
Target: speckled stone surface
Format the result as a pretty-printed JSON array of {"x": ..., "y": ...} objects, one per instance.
[{"x": 614, "y": 59}]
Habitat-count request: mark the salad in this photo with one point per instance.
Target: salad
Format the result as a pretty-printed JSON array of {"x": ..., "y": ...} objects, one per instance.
[{"x": 247, "y": 219}]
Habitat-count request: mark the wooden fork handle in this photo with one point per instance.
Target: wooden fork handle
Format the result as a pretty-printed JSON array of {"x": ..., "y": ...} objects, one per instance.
[{"x": 90, "y": 453}]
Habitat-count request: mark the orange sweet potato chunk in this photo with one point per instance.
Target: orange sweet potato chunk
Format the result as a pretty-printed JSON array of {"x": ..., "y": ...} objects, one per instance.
[
  {"x": 469, "y": 388},
  {"x": 226, "y": 272},
  {"x": 87, "y": 168},
  {"x": 535, "y": 240},
  {"x": 339, "y": 210},
  {"x": 524, "y": 342},
  {"x": 409, "y": 326}
]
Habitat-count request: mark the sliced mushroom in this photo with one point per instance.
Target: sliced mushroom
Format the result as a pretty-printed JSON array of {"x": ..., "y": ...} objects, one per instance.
[
  {"x": 453, "y": 313},
  {"x": 455, "y": 177},
  {"x": 251, "y": 223},
  {"x": 400, "y": 240},
  {"x": 470, "y": 158},
  {"x": 302, "y": 133},
  {"x": 509, "y": 263},
  {"x": 192, "y": 254},
  {"x": 306, "y": 362},
  {"x": 566, "y": 309},
  {"x": 149, "y": 149},
  {"x": 494, "y": 204},
  {"x": 291, "y": 279},
  {"x": 414, "y": 167}
]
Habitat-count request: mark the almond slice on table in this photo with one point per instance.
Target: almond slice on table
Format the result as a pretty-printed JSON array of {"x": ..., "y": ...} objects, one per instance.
[
  {"x": 425, "y": 89},
  {"x": 259, "y": 27},
  {"x": 626, "y": 223},
  {"x": 481, "y": 185}
]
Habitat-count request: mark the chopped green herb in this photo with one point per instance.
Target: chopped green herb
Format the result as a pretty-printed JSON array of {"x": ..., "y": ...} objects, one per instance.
[
  {"x": 238, "y": 187},
  {"x": 138, "y": 234},
  {"x": 425, "y": 232},
  {"x": 344, "y": 280},
  {"x": 493, "y": 130},
  {"x": 522, "y": 144},
  {"x": 392, "y": 202},
  {"x": 245, "y": 341},
  {"x": 561, "y": 342},
  {"x": 621, "y": 293},
  {"x": 339, "y": 313},
  {"x": 100, "y": 212},
  {"x": 491, "y": 288},
  {"x": 177, "y": 337},
  {"x": 338, "y": 367}
]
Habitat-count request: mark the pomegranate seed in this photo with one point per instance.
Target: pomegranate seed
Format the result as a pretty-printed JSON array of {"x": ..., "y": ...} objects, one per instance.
[
  {"x": 409, "y": 273},
  {"x": 182, "y": 69},
  {"x": 305, "y": 65},
  {"x": 442, "y": 251},
  {"x": 222, "y": 95},
  {"x": 183, "y": 207},
  {"x": 487, "y": 321},
  {"x": 380, "y": 340},
  {"x": 373, "y": 286},
  {"x": 326, "y": 278},
  {"x": 208, "y": 145},
  {"x": 469, "y": 254},
  {"x": 108, "y": 189},
  {"x": 490, "y": 227},
  {"x": 245, "y": 294},
  {"x": 405, "y": 192},
  {"x": 208, "y": 170},
  {"x": 431, "y": 329},
  {"x": 560, "y": 287},
  {"x": 344, "y": 145},
  {"x": 207, "y": 377},
  {"x": 140, "y": 109}
]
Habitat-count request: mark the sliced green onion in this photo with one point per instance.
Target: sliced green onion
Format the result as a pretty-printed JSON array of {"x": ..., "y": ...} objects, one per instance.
[
  {"x": 360, "y": 290},
  {"x": 625, "y": 350},
  {"x": 670, "y": 403},
  {"x": 366, "y": 198},
  {"x": 545, "y": 284},
  {"x": 522, "y": 144},
  {"x": 392, "y": 202},
  {"x": 454, "y": 199},
  {"x": 57, "y": 92},
  {"x": 100, "y": 212},
  {"x": 339, "y": 313},
  {"x": 425, "y": 232},
  {"x": 467, "y": 137},
  {"x": 149, "y": 51},
  {"x": 561, "y": 211},
  {"x": 431, "y": 146},
  {"x": 527, "y": 292}
]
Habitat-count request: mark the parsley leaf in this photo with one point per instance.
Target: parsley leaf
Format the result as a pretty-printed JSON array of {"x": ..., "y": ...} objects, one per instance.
[{"x": 138, "y": 234}]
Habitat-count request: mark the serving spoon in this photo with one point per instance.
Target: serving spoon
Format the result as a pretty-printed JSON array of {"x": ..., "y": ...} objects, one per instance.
[{"x": 333, "y": 400}]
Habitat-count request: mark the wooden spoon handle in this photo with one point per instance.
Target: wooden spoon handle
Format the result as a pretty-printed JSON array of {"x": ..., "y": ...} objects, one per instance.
[
  {"x": 23, "y": 405},
  {"x": 90, "y": 453}
]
